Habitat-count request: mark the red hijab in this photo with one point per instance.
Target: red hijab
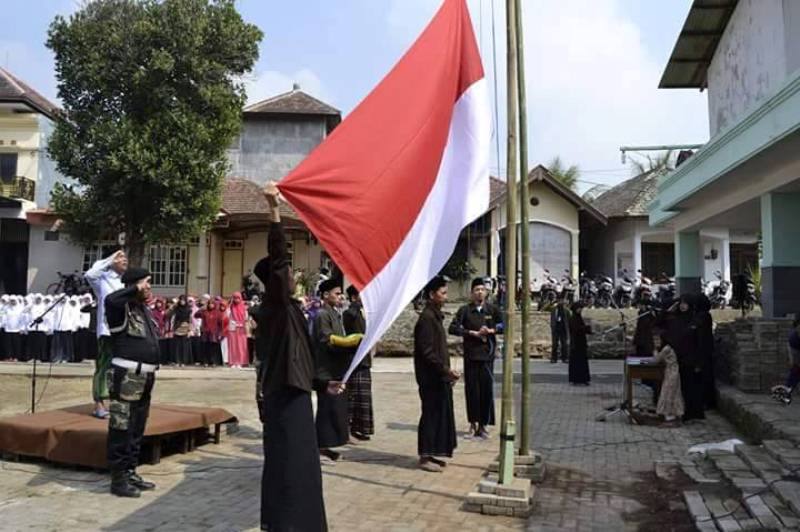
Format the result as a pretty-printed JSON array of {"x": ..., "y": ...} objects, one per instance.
[{"x": 238, "y": 308}]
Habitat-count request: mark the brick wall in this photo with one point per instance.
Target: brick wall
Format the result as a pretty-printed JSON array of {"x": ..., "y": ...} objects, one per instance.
[{"x": 752, "y": 353}]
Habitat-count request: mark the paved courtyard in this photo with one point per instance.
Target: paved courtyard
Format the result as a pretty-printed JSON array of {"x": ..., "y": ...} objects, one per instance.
[{"x": 600, "y": 474}]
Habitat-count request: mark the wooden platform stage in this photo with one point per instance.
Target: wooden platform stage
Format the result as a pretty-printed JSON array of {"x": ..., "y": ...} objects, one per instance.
[{"x": 72, "y": 436}]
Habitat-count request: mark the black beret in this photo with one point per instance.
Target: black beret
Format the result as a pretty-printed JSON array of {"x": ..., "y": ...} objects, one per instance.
[{"x": 134, "y": 275}]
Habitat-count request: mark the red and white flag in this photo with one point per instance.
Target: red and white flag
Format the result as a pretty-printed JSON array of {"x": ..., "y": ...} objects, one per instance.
[{"x": 388, "y": 193}]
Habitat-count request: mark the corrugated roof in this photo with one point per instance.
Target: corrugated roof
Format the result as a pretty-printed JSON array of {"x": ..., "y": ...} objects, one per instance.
[
  {"x": 629, "y": 198},
  {"x": 13, "y": 89},
  {"x": 697, "y": 43}
]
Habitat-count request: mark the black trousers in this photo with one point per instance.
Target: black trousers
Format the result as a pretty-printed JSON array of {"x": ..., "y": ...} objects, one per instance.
[
  {"x": 560, "y": 343},
  {"x": 479, "y": 391},
  {"x": 130, "y": 405}
]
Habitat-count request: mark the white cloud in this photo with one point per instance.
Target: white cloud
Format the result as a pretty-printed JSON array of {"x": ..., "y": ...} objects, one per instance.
[
  {"x": 272, "y": 82},
  {"x": 592, "y": 82}
]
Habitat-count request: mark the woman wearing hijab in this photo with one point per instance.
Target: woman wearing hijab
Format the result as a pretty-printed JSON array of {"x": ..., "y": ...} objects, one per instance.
[
  {"x": 83, "y": 336},
  {"x": 681, "y": 335},
  {"x": 579, "y": 347},
  {"x": 159, "y": 314},
  {"x": 14, "y": 325},
  {"x": 237, "y": 332},
  {"x": 212, "y": 331},
  {"x": 65, "y": 316},
  {"x": 36, "y": 342},
  {"x": 198, "y": 354},
  {"x": 89, "y": 309},
  {"x": 181, "y": 329},
  {"x": 704, "y": 325}
]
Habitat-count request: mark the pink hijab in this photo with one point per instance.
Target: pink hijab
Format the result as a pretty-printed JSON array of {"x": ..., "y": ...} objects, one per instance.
[{"x": 238, "y": 310}]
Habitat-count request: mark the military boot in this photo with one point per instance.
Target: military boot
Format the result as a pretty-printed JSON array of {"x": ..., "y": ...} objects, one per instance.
[
  {"x": 138, "y": 482},
  {"x": 121, "y": 486}
]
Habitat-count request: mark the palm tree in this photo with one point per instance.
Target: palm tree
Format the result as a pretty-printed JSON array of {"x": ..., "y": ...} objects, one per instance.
[
  {"x": 568, "y": 176},
  {"x": 661, "y": 161}
]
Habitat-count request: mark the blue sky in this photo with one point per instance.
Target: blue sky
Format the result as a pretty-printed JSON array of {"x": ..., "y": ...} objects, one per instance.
[{"x": 593, "y": 65}]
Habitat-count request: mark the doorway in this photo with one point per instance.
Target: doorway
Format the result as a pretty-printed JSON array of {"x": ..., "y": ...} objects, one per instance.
[
  {"x": 232, "y": 264},
  {"x": 14, "y": 236}
]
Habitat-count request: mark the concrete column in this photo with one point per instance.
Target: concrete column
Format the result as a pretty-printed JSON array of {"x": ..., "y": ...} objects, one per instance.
[
  {"x": 688, "y": 262},
  {"x": 637, "y": 253},
  {"x": 780, "y": 264},
  {"x": 726, "y": 259},
  {"x": 202, "y": 262}
]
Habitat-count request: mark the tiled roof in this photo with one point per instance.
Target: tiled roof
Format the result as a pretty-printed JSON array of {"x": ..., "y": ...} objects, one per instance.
[
  {"x": 242, "y": 196},
  {"x": 13, "y": 89},
  {"x": 629, "y": 198},
  {"x": 293, "y": 102}
]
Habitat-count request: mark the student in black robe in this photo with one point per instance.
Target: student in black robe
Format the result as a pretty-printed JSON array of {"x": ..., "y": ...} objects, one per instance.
[
  {"x": 332, "y": 363},
  {"x": 478, "y": 323},
  {"x": 644, "y": 343},
  {"x": 291, "y": 485},
  {"x": 436, "y": 434},
  {"x": 704, "y": 326},
  {"x": 559, "y": 331},
  {"x": 359, "y": 386},
  {"x": 579, "y": 347},
  {"x": 682, "y": 336}
]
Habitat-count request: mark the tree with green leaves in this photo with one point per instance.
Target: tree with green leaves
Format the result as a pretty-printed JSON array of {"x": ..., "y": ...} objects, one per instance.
[
  {"x": 653, "y": 163},
  {"x": 566, "y": 175},
  {"x": 152, "y": 97}
]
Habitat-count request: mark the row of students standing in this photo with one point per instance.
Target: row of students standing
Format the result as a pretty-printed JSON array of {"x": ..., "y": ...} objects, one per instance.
[{"x": 31, "y": 329}]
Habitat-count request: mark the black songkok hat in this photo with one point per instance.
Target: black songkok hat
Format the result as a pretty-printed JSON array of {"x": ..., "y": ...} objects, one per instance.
[
  {"x": 478, "y": 281},
  {"x": 134, "y": 275},
  {"x": 352, "y": 291},
  {"x": 330, "y": 284},
  {"x": 436, "y": 283}
]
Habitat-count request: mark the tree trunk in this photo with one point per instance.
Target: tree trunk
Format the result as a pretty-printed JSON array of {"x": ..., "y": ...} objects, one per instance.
[{"x": 136, "y": 253}]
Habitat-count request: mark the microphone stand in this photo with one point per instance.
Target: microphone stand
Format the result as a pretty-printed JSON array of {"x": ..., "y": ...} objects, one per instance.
[
  {"x": 37, "y": 321},
  {"x": 622, "y": 407}
]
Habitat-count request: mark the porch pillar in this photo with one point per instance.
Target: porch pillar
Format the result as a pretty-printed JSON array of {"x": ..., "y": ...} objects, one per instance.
[
  {"x": 780, "y": 264},
  {"x": 688, "y": 259},
  {"x": 637, "y": 253},
  {"x": 202, "y": 261}
]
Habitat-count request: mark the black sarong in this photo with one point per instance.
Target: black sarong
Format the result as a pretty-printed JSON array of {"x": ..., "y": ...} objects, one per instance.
[
  {"x": 436, "y": 435},
  {"x": 291, "y": 487},
  {"x": 331, "y": 422},
  {"x": 479, "y": 391},
  {"x": 359, "y": 398}
]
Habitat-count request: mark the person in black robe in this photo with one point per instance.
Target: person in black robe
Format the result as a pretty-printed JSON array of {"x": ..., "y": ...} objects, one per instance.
[
  {"x": 291, "y": 484},
  {"x": 644, "y": 343},
  {"x": 704, "y": 326},
  {"x": 359, "y": 386},
  {"x": 681, "y": 333},
  {"x": 478, "y": 324},
  {"x": 436, "y": 434},
  {"x": 579, "y": 347},
  {"x": 332, "y": 362},
  {"x": 559, "y": 331}
]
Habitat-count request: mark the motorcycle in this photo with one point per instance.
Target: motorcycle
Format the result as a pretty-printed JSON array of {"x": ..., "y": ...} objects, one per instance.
[
  {"x": 643, "y": 291},
  {"x": 717, "y": 291},
  {"x": 605, "y": 290},
  {"x": 548, "y": 292},
  {"x": 567, "y": 286},
  {"x": 623, "y": 294},
  {"x": 588, "y": 290},
  {"x": 666, "y": 291}
]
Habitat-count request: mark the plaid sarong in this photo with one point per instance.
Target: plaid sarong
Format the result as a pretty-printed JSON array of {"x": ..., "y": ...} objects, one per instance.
[{"x": 359, "y": 402}]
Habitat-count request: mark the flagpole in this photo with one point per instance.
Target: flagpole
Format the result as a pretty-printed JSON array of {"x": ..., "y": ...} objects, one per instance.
[
  {"x": 525, "y": 411},
  {"x": 508, "y": 429}
]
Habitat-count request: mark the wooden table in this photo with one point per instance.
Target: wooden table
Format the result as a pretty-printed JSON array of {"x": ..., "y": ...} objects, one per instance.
[{"x": 640, "y": 368}]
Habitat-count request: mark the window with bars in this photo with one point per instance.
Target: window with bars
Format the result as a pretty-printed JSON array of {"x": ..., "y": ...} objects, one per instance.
[
  {"x": 168, "y": 266},
  {"x": 96, "y": 252}
]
